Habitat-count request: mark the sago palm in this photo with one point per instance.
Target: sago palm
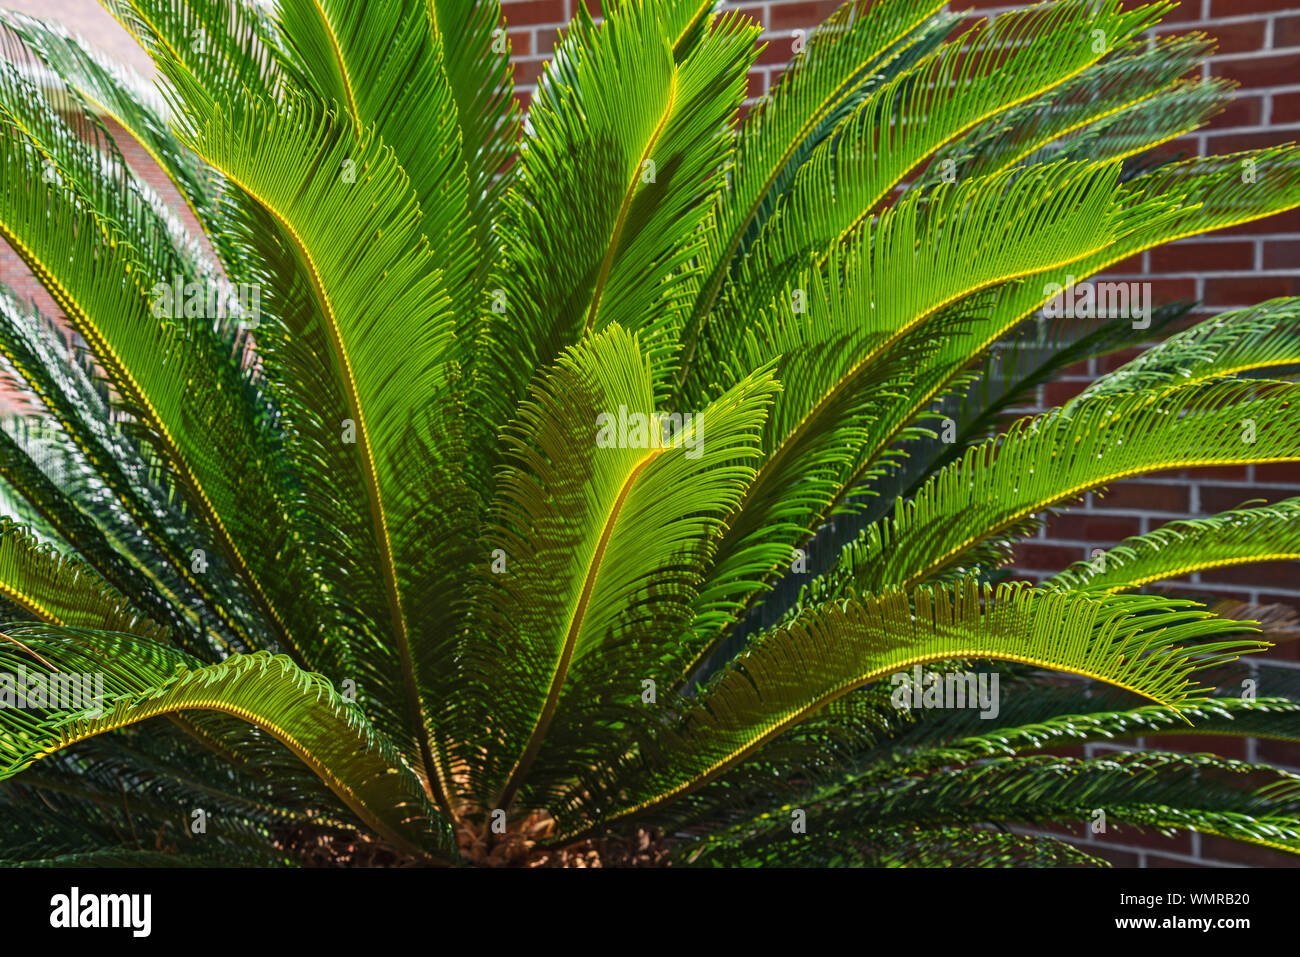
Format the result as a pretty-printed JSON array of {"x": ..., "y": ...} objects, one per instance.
[{"x": 588, "y": 488}]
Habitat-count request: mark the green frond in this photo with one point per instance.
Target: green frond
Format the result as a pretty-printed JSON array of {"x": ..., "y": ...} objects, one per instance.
[
  {"x": 76, "y": 148},
  {"x": 476, "y": 58},
  {"x": 837, "y": 333},
  {"x": 619, "y": 163},
  {"x": 60, "y": 590},
  {"x": 900, "y": 847},
  {"x": 302, "y": 711},
  {"x": 597, "y": 532},
  {"x": 1267, "y": 533},
  {"x": 364, "y": 269},
  {"x": 1155, "y": 791},
  {"x": 1173, "y": 202},
  {"x": 1259, "y": 337},
  {"x": 844, "y": 59},
  {"x": 964, "y": 512},
  {"x": 1007, "y": 379},
  {"x": 993, "y": 66},
  {"x": 119, "y": 93},
  {"x": 1169, "y": 114},
  {"x": 231, "y": 48},
  {"x": 185, "y": 406},
  {"x": 142, "y": 517},
  {"x": 1273, "y": 718},
  {"x": 382, "y": 69},
  {"x": 1124, "y": 82},
  {"x": 1132, "y": 642}
]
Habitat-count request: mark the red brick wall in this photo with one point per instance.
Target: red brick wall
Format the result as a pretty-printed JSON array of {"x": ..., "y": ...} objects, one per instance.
[{"x": 1259, "y": 47}]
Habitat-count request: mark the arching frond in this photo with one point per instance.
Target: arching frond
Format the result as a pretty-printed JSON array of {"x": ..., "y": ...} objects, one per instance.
[
  {"x": 1259, "y": 337},
  {"x": 844, "y": 59},
  {"x": 1267, "y": 533},
  {"x": 802, "y": 666},
  {"x": 962, "y": 513},
  {"x": 623, "y": 145},
  {"x": 837, "y": 356},
  {"x": 600, "y": 521},
  {"x": 302, "y": 711}
]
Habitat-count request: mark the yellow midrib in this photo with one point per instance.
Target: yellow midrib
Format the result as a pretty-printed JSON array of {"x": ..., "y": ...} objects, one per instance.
[
  {"x": 868, "y": 207},
  {"x": 1078, "y": 489},
  {"x": 714, "y": 284},
  {"x": 334, "y": 782},
  {"x": 1126, "y": 252},
  {"x": 620, "y": 221},
  {"x": 1181, "y": 570},
  {"x": 378, "y": 516},
  {"x": 114, "y": 364},
  {"x": 794, "y": 715},
  {"x": 344, "y": 75}
]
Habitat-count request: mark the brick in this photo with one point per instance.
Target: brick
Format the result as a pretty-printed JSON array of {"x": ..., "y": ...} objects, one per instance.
[
  {"x": 1284, "y": 222},
  {"x": 1242, "y": 111},
  {"x": 1221, "y": 498},
  {"x": 774, "y": 53},
  {"x": 1278, "y": 70},
  {"x": 1279, "y": 472},
  {"x": 1100, "y": 529},
  {"x": 1286, "y": 107},
  {"x": 527, "y": 72},
  {"x": 1058, "y": 393},
  {"x": 1282, "y": 254},
  {"x": 1249, "y": 290},
  {"x": 1172, "y": 290},
  {"x": 1109, "y": 363},
  {"x": 793, "y": 16},
  {"x": 1152, "y": 497},
  {"x": 1220, "y": 473},
  {"x": 521, "y": 42},
  {"x": 1240, "y": 37},
  {"x": 1210, "y": 593},
  {"x": 1203, "y": 257},
  {"x": 1278, "y": 752},
  {"x": 1234, "y": 852},
  {"x": 1286, "y": 32},
  {"x": 1130, "y": 266},
  {"x": 520, "y": 13},
  {"x": 1237, "y": 8},
  {"x": 1261, "y": 575},
  {"x": 1046, "y": 557},
  {"x": 1185, "y": 12}
]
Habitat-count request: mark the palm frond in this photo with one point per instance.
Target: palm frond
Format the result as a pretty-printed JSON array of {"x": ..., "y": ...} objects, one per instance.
[
  {"x": 806, "y": 664},
  {"x": 302, "y": 711},
  {"x": 598, "y": 532},
  {"x": 1267, "y": 533}
]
